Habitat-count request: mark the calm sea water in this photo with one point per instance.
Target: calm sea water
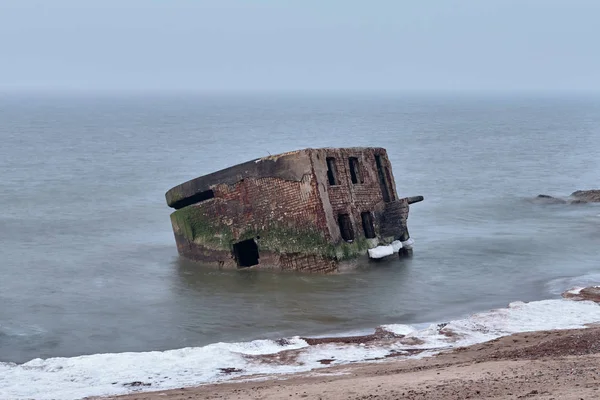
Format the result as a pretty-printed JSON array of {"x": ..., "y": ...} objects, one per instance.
[{"x": 88, "y": 262}]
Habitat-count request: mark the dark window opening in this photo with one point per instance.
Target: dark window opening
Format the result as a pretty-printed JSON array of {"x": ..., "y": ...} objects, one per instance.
[
  {"x": 382, "y": 183},
  {"x": 196, "y": 198},
  {"x": 346, "y": 229},
  {"x": 355, "y": 170},
  {"x": 246, "y": 253},
  {"x": 367, "y": 223},
  {"x": 331, "y": 171}
]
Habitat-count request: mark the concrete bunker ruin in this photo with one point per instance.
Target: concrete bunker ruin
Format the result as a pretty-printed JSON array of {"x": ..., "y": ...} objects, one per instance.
[{"x": 310, "y": 210}]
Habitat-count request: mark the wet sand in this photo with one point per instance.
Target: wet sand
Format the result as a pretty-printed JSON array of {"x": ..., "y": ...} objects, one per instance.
[{"x": 562, "y": 364}]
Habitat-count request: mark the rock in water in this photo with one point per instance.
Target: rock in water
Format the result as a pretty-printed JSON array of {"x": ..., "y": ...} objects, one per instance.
[
  {"x": 550, "y": 200},
  {"x": 587, "y": 196},
  {"x": 578, "y": 197}
]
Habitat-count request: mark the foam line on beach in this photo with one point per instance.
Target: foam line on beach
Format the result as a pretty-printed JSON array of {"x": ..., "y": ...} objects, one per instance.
[{"x": 112, "y": 374}]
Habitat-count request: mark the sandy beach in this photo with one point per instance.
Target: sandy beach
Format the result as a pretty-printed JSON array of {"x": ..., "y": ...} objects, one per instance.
[{"x": 559, "y": 364}]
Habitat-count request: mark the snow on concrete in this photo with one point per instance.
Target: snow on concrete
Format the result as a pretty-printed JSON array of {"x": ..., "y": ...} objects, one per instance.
[{"x": 381, "y": 251}]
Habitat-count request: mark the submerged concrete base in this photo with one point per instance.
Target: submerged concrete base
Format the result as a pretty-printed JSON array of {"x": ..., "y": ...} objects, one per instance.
[
  {"x": 310, "y": 263},
  {"x": 267, "y": 260}
]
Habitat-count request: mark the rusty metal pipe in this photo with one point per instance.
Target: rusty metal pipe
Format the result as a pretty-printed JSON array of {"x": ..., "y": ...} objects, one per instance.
[{"x": 415, "y": 199}]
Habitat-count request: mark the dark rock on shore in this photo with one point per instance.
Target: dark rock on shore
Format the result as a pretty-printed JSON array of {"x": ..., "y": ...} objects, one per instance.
[
  {"x": 379, "y": 334},
  {"x": 230, "y": 370},
  {"x": 591, "y": 293},
  {"x": 137, "y": 383}
]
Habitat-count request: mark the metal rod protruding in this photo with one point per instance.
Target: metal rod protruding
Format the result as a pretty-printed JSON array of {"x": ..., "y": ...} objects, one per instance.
[{"x": 415, "y": 199}]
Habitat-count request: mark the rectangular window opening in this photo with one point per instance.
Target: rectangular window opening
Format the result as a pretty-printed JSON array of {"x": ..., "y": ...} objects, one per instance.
[
  {"x": 367, "y": 222},
  {"x": 346, "y": 229},
  {"x": 195, "y": 199},
  {"x": 355, "y": 174},
  {"x": 246, "y": 253},
  {"x": 331, "y": 171}
]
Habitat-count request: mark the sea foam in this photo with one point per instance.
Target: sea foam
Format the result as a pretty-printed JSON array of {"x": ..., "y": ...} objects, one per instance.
[{"x": 112, "y": 374}]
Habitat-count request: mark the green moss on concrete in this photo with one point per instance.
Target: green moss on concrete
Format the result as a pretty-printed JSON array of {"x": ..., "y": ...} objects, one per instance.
[
  {"x": 288, "y": 240},
  {"x": 194, "y": 226},
  {"x": 217, "y": 235},
  {"x": 346, "y": 251}
]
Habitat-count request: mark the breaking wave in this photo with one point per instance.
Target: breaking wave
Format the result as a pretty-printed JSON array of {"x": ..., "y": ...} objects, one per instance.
[
  {"x": 557, "y": 286},
  {"x": 112, "y": 374}
]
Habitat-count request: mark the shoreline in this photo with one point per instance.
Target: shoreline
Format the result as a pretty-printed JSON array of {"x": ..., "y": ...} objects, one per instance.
[
  {"x": 549, "y": 364},
  {"x": 532, "y": 331},
  {"x": 544, "y": 364}
]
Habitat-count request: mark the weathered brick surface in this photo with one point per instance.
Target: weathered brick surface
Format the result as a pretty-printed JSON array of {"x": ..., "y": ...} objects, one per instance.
[
  {"x": 191, "y": 250},
  {"x": 257, "y": 203},
  {"x": 349, "y": 198},
  {"x": 269, "y": 260},
  {"x": 393, "y": 219},
  {"x": 261, "y": 204},
  {"x": 307, "y": 263},
  {"x": 310, "y": 204}
]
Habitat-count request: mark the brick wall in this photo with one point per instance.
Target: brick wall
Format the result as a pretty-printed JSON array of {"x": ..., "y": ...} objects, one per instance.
[
  {"x": 257, "y": 203},
  {"x": 349, "y": 198},
  {"x": 306, "y": 263}
]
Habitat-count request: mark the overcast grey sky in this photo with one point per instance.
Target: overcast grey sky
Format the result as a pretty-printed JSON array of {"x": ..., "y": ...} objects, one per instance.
[{"x": 300, "y": 45}]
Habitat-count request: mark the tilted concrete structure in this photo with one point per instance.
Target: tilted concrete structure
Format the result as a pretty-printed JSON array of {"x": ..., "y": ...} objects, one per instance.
[{"x": 310, "y": 210}]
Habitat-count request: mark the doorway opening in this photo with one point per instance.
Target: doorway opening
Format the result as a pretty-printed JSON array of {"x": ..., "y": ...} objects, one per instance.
[
  {"x": 246, "y": 253},
  {"x": 367, "y": 223},
  {"x": 346, "y": 229}
]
